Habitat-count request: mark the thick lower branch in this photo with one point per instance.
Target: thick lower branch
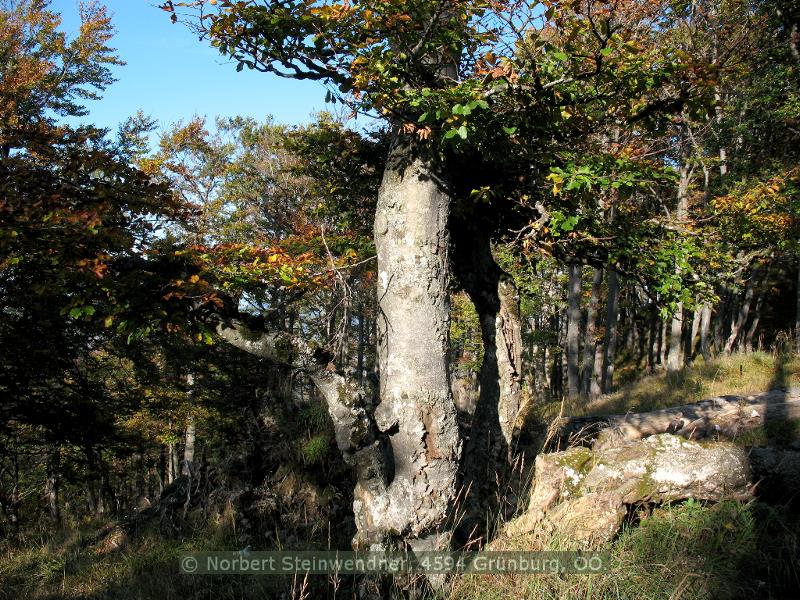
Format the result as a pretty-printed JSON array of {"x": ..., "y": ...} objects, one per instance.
[{"x": 349, "y": 405}]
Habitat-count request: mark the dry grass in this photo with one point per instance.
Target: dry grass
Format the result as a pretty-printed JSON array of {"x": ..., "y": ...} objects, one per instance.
[
  {"x": 688, "y": 550},
  {"x": 738, "y": 374}
]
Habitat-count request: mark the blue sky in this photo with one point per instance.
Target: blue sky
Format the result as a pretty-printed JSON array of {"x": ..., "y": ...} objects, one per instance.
[{"x": 170, "y": 75}]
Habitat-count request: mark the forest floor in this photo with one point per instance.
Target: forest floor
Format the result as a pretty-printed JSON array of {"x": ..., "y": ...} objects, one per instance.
[
  {"x": 685, "y": 550},
  {"x": 691, "y": 549}
]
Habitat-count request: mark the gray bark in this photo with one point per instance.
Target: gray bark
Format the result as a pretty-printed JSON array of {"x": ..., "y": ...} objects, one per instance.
[
  {"x": 416, "y": 409},
  {"x": 612, "y": 312},
  {"x": 407, "y": 486},
  {"x": 674, "y": 361},
  {"x": 705, "y": 331},
  {"x": 652, "y": 338},
  {"x": 573, "y": 329},
  {"x": 588, "y": 390},
  {"x": 187, "y": 467},
  {"x": 172, "y": 463}
]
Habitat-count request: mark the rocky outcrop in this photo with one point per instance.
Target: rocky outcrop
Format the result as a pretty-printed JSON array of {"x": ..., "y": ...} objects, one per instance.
[{"x": 582, "y": 494}]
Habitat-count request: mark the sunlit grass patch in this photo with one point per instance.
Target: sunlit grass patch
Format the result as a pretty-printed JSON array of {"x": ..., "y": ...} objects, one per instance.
[{"x": 738, "y": 374}]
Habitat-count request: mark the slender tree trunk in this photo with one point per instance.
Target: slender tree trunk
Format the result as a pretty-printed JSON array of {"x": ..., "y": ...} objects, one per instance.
[
  {"x": 573, "y": 330},
  {"x": 92, "y": 500},
  {"x": 596, "y": 385},
  {"x": 674, "y": 361},
  {"x": 689, "y": 351},
  {"x": 589, "y": 340},
  {"x": 187, "y": 467},
  {"x": 762, "y": 293},
  {"x": 719, "y": 321},
  {"x": 652, "y": 338},
  {"x": 705, "y": 331},
  {"x": 163, "y": 470},
  {"x": 140, "y": 486},
  {"x": 797, "y": 314},
  {"x": 556, "y": 356},
  {"x": 53, "y": 483},
  {"x": 106, "y": 496},
  {"x": 546, "y": 380},
  {"x": 740, "y": 317},
  {"x": 416, "y": 409},
  {"x": 612, "y": 312},
  {"x": 663, "y": 340},
  {"x": 173, "y": 464}
]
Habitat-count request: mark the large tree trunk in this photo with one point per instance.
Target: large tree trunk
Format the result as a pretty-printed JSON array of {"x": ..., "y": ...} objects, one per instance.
[
  {"x": 573, "y": 329},
  {"x": 416, "y": 410},
  {"x": 406, "y": 452}
]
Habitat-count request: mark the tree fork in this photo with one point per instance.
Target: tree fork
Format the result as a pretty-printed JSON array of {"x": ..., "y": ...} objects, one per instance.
[{"x": 496, "y": 300}]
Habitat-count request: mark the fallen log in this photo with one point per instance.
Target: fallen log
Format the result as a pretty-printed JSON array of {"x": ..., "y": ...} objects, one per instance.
[
  {"x": 724, "y": 417},
  {"x": 583, "y": 494}
]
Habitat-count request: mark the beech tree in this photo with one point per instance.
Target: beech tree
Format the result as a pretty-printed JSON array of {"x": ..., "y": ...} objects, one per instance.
[{"x": 470, "y": 91}]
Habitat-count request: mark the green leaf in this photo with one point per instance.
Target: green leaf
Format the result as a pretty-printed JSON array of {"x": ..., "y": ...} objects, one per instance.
[{"x": 462, "y": 132}]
